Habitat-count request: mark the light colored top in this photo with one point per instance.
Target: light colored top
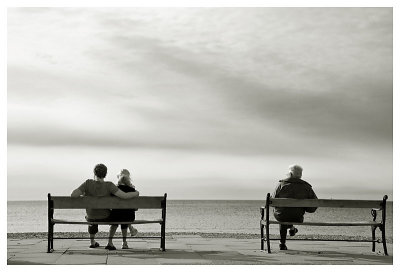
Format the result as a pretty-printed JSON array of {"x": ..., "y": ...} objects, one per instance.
[{"x": 98, "y": 188}]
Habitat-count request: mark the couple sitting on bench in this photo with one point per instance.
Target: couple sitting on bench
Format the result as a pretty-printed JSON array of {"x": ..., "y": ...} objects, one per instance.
[{"x": 99, "y": 187}]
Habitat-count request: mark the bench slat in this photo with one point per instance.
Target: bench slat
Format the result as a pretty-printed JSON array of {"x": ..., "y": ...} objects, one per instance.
[
  {"x": 334, "y": 203},
  {"x": 363, "y": 223},
  {"x": 109, "y": 202},
  {"x": 58, "y": 221}
]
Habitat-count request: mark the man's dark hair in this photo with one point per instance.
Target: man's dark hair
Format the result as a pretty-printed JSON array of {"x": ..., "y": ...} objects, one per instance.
[{"x": 100, "y": 170}]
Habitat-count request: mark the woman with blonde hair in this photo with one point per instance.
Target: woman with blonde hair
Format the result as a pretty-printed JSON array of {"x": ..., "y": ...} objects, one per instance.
[{"x": 125, "y": 185}]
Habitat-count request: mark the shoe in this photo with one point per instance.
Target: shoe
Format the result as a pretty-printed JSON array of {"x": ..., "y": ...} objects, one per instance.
[
  {"x": 292, "y": 232},
  {"x": 110, "y": 247},
  {"x": 282, "y": 247},
  {"x": 95, "y": 245},
  {"x": 125, "y": 245},
  {"x": 134, "y": 232}
]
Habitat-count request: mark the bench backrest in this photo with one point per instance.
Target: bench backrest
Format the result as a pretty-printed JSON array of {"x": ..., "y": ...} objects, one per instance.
[
  {"x": 109, "y": 202},
  {"x": 334, "y": 203}
]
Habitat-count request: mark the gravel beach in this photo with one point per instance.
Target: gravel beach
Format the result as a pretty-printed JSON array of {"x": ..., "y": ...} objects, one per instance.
[{"x": 80, "y": 235}]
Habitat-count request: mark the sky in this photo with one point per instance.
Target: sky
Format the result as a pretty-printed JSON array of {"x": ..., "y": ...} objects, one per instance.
[{"x": 200, "y": 103}]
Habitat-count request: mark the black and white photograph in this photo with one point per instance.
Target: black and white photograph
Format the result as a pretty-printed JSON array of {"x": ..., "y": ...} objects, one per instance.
[{"x": 199, "y": 135}]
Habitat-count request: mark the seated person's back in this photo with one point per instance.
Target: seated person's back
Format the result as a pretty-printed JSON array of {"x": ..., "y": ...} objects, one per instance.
[
  {"x": 293, "y": 187},
  {"x": 124, "y": 214},
  {"x": 97, "y": 188}
]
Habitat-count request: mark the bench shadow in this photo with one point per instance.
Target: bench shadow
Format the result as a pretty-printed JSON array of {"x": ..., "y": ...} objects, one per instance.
[
  {"x": 177, "y": 254},
  {"x": 232, "y": 257},
  {"x": 11, "y": 262},
  {"x": 356, "y": 257}
]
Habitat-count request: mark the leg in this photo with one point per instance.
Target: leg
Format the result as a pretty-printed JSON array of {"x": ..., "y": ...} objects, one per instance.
[
  {"x": 93, "y": 229},
  {"x": 124, "y": 229},
  {"x": 124, "y": 234},
  {"x": 283, "y": 232},
  {"x": 292, "y": 230},
  {"x": 132, "y": 230},
  {"x": 92, "y": 237},
  {"x": 113, "y": 229}
]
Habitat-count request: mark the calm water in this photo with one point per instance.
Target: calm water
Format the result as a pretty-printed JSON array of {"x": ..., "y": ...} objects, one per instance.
[{"x": 207, "y": 216}]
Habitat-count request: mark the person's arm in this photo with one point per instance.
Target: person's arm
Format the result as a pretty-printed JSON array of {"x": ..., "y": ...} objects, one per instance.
[
  {"x": 277, "y": 190},
  {"x": 124, "y": 195},
  {"x": 76, "y": 193},
  {"x": 311, "y": 195},
  {"x": 79, "y": 191}
]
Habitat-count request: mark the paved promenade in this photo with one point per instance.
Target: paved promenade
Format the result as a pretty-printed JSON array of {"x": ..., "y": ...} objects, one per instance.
[{"x": 195, "y": 250}]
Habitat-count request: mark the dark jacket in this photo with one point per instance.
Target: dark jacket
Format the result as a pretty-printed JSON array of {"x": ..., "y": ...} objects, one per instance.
[
  {"x": 124, "y": 214},
  {"x": 293, "y": 188}
]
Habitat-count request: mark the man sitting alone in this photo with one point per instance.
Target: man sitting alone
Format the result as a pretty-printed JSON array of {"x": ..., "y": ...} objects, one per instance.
[{"x": 292, "y": 187}]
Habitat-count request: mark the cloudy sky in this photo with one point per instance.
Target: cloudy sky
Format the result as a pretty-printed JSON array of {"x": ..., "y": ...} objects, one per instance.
[{"x": 201, "y": 103}]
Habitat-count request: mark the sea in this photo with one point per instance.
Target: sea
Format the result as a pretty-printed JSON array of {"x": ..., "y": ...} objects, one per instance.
[{"x": 197, "y": 216}]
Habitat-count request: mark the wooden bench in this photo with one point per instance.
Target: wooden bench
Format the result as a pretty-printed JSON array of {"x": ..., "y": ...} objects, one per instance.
[
  {"x": 111, "y": 202},
  {"x": 375, "y": 206}
]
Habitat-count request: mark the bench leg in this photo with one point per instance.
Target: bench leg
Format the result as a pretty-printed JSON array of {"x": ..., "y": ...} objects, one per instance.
[
  {"x": 48, "y": 242},
  {"x": 262, "y": 236},
  {"x": 382, "y": 227},
  {"x": 162, "y": 245},
  {"x": 50, "y": 239},
  {"x": 268, "y": 244},
  {"x": 373, "y": 228}
]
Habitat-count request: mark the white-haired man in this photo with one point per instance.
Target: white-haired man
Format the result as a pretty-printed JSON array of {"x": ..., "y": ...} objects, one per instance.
[{"x": 292, "y": 187}]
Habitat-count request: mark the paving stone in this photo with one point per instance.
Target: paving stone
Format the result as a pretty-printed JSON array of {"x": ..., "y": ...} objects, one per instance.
[
  {"x": 35, "y": 258},
  {"x": 195, "y": 250},
  {"x": 129, "y": 260},
  {"x": 82, "y": 257}
]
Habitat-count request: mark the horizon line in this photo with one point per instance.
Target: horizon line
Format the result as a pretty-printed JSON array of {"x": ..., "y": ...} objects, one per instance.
[{"x": 213, "y": 199}]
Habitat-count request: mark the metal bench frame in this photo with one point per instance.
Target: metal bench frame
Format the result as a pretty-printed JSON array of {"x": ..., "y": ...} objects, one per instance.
[
  {"x": 375, "y": 206},
  {"x": 111, "y": 202}
]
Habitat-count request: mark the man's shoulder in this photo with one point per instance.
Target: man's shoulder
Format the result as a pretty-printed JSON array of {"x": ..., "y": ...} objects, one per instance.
[
  {"x": 110, "y": 183},
  {"x": 88, "y": 181},
  {"x": 284, "y": 180},
  {"x": 109, "y": 186},
  {"x": 305, "y": 183},
  {"x": 287, "y": 180},
  {"x": 295, "y": 181}
]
